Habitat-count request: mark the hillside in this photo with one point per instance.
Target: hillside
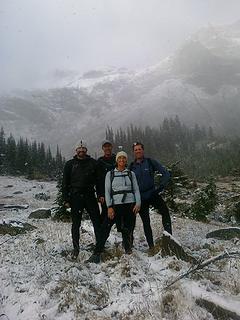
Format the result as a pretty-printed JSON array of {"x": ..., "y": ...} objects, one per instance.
[{"x": 40, "y": 281}]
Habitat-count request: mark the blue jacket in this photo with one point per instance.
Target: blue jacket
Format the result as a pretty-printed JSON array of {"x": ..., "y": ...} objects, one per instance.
[
  {"x": 121, "y": 182},
  {"x": 144, "y": 172}
]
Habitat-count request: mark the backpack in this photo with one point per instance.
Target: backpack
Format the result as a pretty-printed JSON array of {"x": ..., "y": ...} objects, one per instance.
[{"x": 124, "y": 192}]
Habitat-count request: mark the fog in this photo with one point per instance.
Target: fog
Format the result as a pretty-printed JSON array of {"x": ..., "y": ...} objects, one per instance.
[{"x": 41, "y": 39}]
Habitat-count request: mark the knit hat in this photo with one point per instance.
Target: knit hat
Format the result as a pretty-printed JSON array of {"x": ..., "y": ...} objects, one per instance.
[
  {"x": 81, "y": 145},
  {"x": 121, "y": 154}
]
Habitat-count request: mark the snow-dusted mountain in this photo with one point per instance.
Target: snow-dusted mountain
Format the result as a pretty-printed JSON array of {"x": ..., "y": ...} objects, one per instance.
[{"x": 200, "y": 83}]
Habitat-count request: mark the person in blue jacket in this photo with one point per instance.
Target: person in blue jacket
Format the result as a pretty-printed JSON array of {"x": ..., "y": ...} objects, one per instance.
[{"x": 144, "y": 169}]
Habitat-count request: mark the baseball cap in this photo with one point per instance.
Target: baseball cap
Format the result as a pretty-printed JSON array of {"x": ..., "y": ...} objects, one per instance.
[{"x": 106, "y": 142}]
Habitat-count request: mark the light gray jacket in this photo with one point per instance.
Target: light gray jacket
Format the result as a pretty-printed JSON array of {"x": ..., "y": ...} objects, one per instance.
[{"x": 121, "y": 182}]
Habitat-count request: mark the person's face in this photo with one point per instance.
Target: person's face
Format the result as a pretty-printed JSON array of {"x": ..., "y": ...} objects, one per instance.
[
  {"x": 122, "y": 161},
  {"x": 107, "y": 149},
  {"x": 81, "y": 152},
  {"x": 138, "y": 152}
]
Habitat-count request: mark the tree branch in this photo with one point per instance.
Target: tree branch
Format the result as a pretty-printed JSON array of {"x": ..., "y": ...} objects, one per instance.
[{"x": 203, "y": 264}]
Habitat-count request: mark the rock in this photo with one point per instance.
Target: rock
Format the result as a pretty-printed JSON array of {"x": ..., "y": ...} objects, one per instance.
[
  {"x": 9, "y": 186},
  {"x": 170, "y": 246},
  {"x": 39, "y": 241},
  {"x": 232, "y": 211},
  {"x": 42, "y": 196},
  {"x": 40, "y": 214},
  {"x": 15, "y": 227},
  {"x": 218, "y": 310},
  {"x": 224, "y": 234},
  {"x": 18, "y": 192},
  {"x": 15, "y": 206}
]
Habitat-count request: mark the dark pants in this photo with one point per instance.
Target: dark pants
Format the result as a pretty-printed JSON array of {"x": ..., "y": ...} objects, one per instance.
[
  {"x": 79, "y": 202},
  {"x": 159, "y": 204},
  {"x": 104, "y": 212},
  {"x": 124, "y": 219}
]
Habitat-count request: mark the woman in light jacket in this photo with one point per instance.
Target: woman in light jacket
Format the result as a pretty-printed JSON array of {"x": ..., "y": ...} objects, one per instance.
[{"x": 123, "y": 201}]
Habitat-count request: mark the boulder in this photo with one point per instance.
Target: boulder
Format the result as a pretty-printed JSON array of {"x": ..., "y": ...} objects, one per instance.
[
  {"x": 40, "y": 214},
  {"x": 170, "y": 247},
  {"x": 225, "y": 233},
  {"x": 16, "y": 206},
  {"x": 42, "y": 196},
  {"x": 219, "y": 309},
  {"x": 13, "y": 227}
]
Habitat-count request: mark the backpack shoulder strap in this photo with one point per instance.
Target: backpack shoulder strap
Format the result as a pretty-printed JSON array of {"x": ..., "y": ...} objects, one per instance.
[
  {"x": 129, "y": 173},
  {"x": 111, "y": 175},
  {"x": 111, "y": 180},
  {"x": 151, "y": 166}
]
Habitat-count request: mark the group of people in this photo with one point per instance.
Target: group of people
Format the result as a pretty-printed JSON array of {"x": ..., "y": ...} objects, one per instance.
[{"x": 122, "y": 190}]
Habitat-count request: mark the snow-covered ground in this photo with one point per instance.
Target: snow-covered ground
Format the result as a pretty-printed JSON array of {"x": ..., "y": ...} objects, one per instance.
[{"x": 39, "y": 280}]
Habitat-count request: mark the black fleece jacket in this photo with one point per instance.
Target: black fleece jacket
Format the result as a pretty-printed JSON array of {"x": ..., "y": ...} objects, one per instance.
[
  {"x": 79, "y": 175},
  {"x": 103, "y": 166}
]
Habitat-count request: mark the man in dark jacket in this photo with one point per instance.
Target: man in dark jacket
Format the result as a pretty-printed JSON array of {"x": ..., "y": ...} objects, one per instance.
[
  {"x": 104, "y": 164},
  {"x": 144, "y": 169},
  {"x": 79, "y": 180}
]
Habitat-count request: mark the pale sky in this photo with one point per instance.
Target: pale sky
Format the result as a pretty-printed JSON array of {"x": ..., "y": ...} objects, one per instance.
[{"x": 40, "y": 36}]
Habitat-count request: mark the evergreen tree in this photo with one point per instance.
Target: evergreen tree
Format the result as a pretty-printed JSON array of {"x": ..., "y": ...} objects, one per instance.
[
  {"x": 178, "y": 182},
  {"x": 201, "y": 153},
  {"x": 2, "y": 151},
  {"x": 24, "y": 158},
  {"x": 11, "y": 153},
  {"x": 60, "y": 212},
  {"x": 204, "y": 201}
]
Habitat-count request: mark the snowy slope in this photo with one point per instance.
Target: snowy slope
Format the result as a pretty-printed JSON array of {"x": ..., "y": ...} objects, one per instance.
[{"x": 39, "y": 281}]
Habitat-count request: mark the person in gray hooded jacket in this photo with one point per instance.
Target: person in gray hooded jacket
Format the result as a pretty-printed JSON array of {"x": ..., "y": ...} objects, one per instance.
[{"x": 123, "y": 202}]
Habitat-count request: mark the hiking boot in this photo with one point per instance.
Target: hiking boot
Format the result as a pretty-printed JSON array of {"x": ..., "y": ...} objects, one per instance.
[
  {"x": 74, "y": 254},
  {"x": 95, "y": 258},
  {"x": 129, "y": 251}
]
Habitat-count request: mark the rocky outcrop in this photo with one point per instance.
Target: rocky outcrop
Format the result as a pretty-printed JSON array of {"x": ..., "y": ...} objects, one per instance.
[
  {"x": 13, "y": 227},
  {"x": 224, "y": 234},
  {"x": 170, "y": 246},
  {"x": 40, "y": 214},
  {"x": 42, "y": 196},
  {"x": 218, "y": 311},
  {"x": 16, "y": 206}
]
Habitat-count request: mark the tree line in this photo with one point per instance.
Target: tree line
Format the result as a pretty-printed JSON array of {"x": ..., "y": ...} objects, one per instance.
[
  {"x": 31, "y": 159},
  {"x": 200, "y": 152}
]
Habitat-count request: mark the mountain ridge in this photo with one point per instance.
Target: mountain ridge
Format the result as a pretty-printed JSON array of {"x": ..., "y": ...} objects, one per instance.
[{"x": 200, "y": 83}]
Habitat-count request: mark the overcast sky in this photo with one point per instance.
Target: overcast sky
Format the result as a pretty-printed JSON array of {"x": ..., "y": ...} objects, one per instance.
[{"x": 40, "y": 36}]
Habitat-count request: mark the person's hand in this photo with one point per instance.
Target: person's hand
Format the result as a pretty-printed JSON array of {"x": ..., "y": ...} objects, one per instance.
[
  {"x": 67, "y": 205},
  {"x": 101, "y": 200},
  {"x": 136, "y": 209},
  {"x": 111, "y": 213}
]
